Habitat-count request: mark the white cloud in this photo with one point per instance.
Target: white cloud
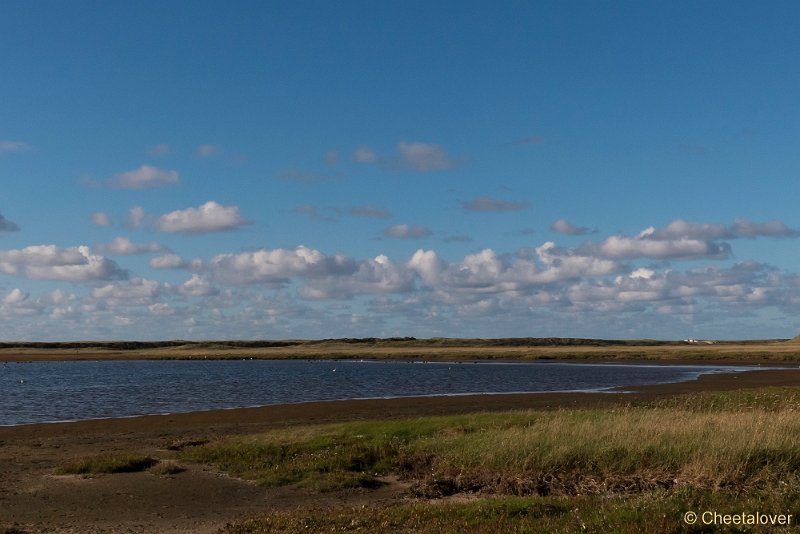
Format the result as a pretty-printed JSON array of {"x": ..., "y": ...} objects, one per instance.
[
  {"x": 428, "y": 265},
  {"x": 210, "y": 217},
  {"x": 373, "y": 277},
  {"x": 136, "y": 291},
  {"x": 620, "y": 247},
  {"x": 101, "y": 219},
  {"x": 278, "y": 265},
  {"x": 489, "y": 272},
  {"x": 144, "y": 177},
  {"x": 741, "y": 228},
  {"x": 168, "y": 261},
  {"x": 424, "y": 157},
  {"x": 620, "y": 284},
  {"x": 493, "y": 204},
  {"x": 15, "y": 296},
  {"x": 563, "y": 226},
  {"x": 407, "y": 231},
  {"x": 197, "y": 286},
  {"x": 122, "y": 246},
  {"x": 161, "y": 309},
  {"x": 48, "y": 262},
  {"x": 58, "y": 296}
]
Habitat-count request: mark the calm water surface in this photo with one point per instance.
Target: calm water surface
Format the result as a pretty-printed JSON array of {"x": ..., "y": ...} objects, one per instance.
[{"x": 64, "y": 391}]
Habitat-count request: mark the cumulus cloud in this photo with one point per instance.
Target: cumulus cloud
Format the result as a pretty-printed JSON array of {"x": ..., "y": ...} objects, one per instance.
[
  {"x": 620, "y": 247},
  {"x": 277, "y": 265},
  {"x": 370, "y": 212},
  {"x": 749, "y": 229},
  {"x": 100, "y": 219},
  {"x": 7, "y": 146},
  {"x": 197, "y": 286},
  {"x": 168, "y": 261},
  {"x": 122, "y": 246},
  {"x": 424, "y": 157},
  {"x": 15, "y": 296},
  {"x": 740, "y": 228},
  {"x": 682, "y": 240},
  {"x": 585, "y": 290},
  {"x": 209, "y": 217},
  {"x": 145, "y": 177},
  {"x": 7, "y": 226},
  {"x": 407, "y": 231},
  {"x": 373, "y": 277},
  {"x": 48, "y": 262},
  {"x": 136, "y": 291},
  {"x": 493, "y": 204},
  {"x": 563, "y": 226},
  {"x": 489, "y": 272}
]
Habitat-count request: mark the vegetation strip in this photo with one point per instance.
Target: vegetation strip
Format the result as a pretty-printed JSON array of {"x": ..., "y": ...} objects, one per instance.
[{"x": 729, "y": 449}]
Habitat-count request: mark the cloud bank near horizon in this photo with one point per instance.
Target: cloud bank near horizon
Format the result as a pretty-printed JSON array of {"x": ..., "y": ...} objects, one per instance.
[{"x": 282, "y": 292}]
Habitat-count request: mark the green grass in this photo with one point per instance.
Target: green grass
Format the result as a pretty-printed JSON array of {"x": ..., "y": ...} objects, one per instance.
[
  {"x": 741, "y": 439},
  {"x": 108, "y": 463},
  {"x": 658, "y": 512},
  {"x": 630, "y": 469}
]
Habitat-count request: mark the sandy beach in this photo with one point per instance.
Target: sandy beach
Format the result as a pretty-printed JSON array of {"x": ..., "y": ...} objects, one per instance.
[{"x": 200, "y": 499}]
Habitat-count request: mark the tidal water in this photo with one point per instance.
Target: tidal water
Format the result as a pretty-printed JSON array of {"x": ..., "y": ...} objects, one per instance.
[{"x": 65, "y": 391}]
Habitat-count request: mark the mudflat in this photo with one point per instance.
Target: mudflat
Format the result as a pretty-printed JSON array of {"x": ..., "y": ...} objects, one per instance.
[{"x": 201, "y": 499}]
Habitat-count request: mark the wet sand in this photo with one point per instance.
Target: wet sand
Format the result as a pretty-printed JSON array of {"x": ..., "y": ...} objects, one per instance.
[{"x": 202, "y": 500}]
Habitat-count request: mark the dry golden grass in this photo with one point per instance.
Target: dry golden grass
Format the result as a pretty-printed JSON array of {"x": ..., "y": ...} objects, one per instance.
[
  {"x": 708, "y": 442},
  {"x": 767, "y": 351}
]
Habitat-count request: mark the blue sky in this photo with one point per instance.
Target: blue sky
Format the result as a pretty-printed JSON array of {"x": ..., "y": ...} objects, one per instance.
[{"x": 332, "y": 169}]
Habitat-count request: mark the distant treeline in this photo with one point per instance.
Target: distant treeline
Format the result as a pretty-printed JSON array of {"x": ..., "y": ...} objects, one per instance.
[{"x": 386, "y": 342}]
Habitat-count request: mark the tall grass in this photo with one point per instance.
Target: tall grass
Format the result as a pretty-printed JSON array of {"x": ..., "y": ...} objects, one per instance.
[{"x": 741, "y": 440}]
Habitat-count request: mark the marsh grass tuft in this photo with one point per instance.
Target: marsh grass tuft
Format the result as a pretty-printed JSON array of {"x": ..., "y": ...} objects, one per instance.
[
  {"x": 108, "y": 463},
  {"x": 166, "y": 468}
]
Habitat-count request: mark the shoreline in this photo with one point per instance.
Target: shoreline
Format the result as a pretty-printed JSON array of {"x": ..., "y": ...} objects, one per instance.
[
  {"x": 629, "y": 391},
  {"x": 242, "y": 420}
]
